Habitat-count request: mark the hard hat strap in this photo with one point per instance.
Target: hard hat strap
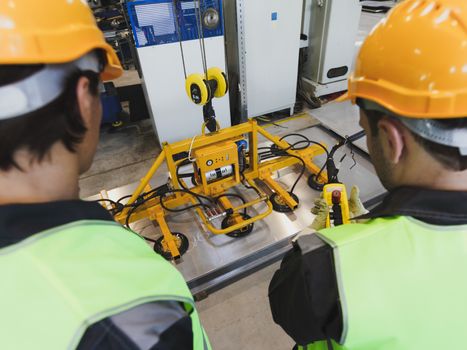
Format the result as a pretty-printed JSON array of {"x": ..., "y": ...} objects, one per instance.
[{"x": 40, "y": 89}]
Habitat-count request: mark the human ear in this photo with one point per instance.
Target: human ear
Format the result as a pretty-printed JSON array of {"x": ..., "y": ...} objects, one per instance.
[
  {"x": 85, "y": 100},
  {"x": 392, "y": 139}
]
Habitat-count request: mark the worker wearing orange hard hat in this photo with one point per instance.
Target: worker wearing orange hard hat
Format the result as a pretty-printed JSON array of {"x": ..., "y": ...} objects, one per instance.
[
  {"x": 71, "y": 276},
  {"x": 396, "y": 281}
]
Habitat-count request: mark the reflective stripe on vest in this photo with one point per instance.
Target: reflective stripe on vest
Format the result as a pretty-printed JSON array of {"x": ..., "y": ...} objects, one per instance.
[
  {"x": 57, "y": 283},
  {"x": 402, "y": 284}
]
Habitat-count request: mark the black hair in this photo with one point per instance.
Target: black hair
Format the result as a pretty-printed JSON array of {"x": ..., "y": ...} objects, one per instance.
[
  {"x": 450, "y": 157},
  {"x": 37, "y": 131}
]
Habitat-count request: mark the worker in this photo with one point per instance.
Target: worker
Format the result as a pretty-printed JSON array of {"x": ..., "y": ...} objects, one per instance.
[
  {"x": 71, "y": 277},
  {"x": 396, "y": 281}
]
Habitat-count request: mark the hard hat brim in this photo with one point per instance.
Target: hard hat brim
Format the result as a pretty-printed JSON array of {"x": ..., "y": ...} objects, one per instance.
[{"x": 113, "y": 69}]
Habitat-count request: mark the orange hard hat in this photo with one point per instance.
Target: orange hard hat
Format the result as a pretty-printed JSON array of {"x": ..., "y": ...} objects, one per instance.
[
  {"x": 414, "y": 62},
  {"x": 51, "y": 32}
]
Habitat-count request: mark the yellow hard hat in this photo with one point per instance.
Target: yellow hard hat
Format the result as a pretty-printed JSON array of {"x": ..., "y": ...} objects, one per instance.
[
  {"x": 414, "y": 63},
  {"x": 51, "y": 32}
]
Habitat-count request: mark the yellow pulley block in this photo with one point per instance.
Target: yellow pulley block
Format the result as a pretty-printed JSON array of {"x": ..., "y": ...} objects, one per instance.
[
  {"x": 197, "y": 89},
  {"x": 218, "y": 75},
  {"x": 202, "y": 91}
]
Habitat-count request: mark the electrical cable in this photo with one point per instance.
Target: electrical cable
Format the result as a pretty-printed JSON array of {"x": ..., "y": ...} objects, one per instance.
[
  {"x": 177, "y": 172},
  {"x": 137, "y": 234},
  {"x": 307, "y": 140},
  {"x": 176, "y": 13},
  {"x": 106, "y": 200},
  {"x": 285, "y": 154},
  {"x": 142, "y": 199},
  {"x": 320, "y": 171},
  {"x": 243, "y": 180},
  {"x": 201, "y": 37},
  {"x": 128, "y": 215},
  {"x": 282, "y": 152},
  {"x": 122, "y": 198},
  {"x": 301, "y": 172},
  {"x": 154, "y": 193},
  {"x": 200, "y": 204},
  {"x": 269, "y": 120},
  {"x": 191, "y": 148},
  {"x": 182, "y": 185},
  {"x": 117, "y": 207}
]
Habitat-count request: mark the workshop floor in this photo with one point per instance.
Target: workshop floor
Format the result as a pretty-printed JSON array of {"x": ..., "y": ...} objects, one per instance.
[{"x": 236, "y": 317}]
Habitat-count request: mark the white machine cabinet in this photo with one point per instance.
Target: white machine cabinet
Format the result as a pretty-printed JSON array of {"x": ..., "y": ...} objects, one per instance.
[
  {"x": 333, "y": 28},
  {"x": 263, "y": 41},
  {"x": 154, "y": 27}
]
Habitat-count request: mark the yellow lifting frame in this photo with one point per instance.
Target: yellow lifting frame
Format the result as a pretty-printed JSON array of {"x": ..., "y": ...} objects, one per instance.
[{"x": 152, "y": 208}]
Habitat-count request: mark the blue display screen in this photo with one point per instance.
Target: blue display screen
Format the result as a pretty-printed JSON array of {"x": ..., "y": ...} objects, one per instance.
[{"x": 154, "y": 22}]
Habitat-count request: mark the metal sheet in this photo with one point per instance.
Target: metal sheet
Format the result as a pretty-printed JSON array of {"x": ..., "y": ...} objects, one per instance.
[
  {"x": 341, "y": 118},
  {"x": 212, "y": 261}
]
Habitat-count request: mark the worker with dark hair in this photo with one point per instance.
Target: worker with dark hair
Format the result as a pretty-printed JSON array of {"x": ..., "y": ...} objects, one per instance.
[
  {"x": 71, "y": 277},
  {"x": 396, "y": 281}
]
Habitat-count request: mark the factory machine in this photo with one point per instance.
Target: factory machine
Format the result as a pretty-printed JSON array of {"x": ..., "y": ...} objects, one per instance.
[
  {"x": 330, "y": 28},
  {"x": 168, "y": 35},
  {"x": 263, "y": 41}
]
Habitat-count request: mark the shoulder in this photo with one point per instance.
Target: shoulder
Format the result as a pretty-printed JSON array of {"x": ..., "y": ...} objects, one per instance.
[
  {"x": 351, "y": 233},
  {"x": 309, "y": 243}
]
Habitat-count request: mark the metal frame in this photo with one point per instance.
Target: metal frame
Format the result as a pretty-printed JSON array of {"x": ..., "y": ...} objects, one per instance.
[
  {"x": 242, "y": 59},
  {"x": 256, "y": 171}
]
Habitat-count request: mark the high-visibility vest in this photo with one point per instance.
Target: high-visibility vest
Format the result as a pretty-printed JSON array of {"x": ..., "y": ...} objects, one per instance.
[
  {"x": 57, "y": 283},
  {"x": 402, "y": 285}
]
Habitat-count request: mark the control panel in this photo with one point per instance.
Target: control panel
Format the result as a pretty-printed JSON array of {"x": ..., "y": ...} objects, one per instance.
[
  {"x": 154, "y": 22},
  {"x": 213, "y": 157},
  {"x": 215, "y": 163}
]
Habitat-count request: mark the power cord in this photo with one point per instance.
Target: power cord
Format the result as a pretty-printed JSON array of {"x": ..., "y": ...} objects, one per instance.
[{"x": 275, "y": 151}]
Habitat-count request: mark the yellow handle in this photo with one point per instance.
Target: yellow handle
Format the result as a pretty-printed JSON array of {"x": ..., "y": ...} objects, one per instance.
[{"x": 203, "y": 128}]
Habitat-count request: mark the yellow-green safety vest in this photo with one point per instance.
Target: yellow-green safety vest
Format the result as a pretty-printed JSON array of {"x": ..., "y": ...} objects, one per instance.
[
  {"x": 57, "y": 283},
  {"x": 402, "y": 285}
]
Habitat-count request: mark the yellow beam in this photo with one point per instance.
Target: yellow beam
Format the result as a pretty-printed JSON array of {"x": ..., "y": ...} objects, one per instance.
[
  {"x": 145, "y": 180},
  {"x": 209, "y": 139},
  {"x": 250, "y": 204},
  {"x": 291, "y": 203},
  {"x": 168, "y": 237},
  {"x": 226, "y": 204}
]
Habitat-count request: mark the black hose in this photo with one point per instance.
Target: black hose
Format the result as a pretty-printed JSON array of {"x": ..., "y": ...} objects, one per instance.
[
  {"x": 182, "y": 209},
  {"x": 282, "y": 152},
  {"x": 311, "y": 142},
  {"x": 177, "y": 172}
]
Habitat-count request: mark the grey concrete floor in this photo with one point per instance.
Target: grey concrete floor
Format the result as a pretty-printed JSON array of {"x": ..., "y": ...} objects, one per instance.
[
  {"x": 236, "y": 317},
  {"x": 123, "y": 156}
]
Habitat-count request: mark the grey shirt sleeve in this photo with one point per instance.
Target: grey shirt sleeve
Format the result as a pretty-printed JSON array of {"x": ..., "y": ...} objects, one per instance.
[
  {"x": 156, "y": 325},
  {"x": 145, "y": 323}
]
